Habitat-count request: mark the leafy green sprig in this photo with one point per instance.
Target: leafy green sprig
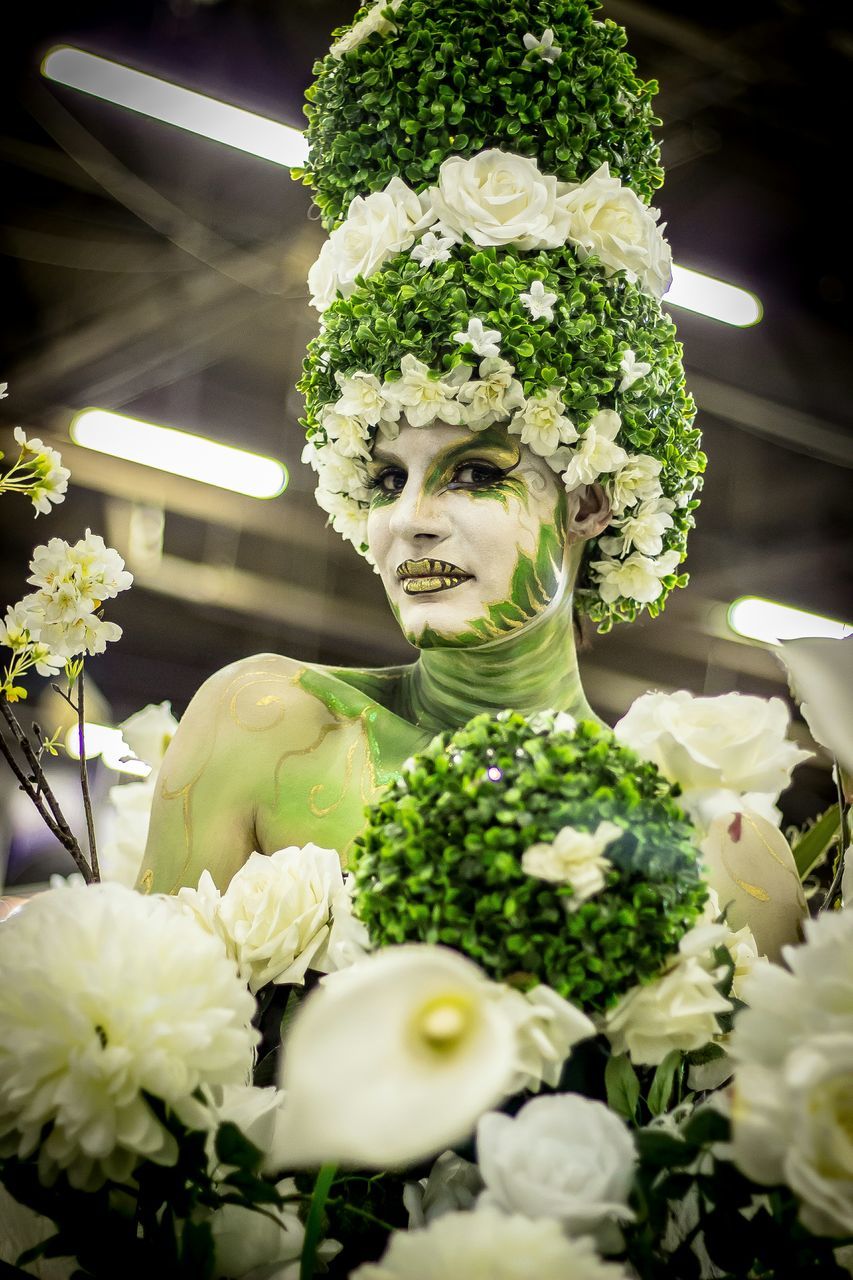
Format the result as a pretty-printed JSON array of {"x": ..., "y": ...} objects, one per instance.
[
  {"x": 440, "y": 858},
  {"x": 455, "y": 78}
]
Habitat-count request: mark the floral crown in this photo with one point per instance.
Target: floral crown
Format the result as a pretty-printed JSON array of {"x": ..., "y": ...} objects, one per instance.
[{"x": 514, "y": 277}]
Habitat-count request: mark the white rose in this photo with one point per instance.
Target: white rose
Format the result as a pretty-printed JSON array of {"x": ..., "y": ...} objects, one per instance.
[
  {"x": 610, "y": 221},
  {"x": 277, "y": 912},
  {"x": 676, "y": 1011},
  {"x": 497, "y": 198},
  {"x": 376, "y": 227},
  {"x": 148, "y": 732},
  {"x": 562, "y": 1157},
  {"x": 734, "y": 742}
]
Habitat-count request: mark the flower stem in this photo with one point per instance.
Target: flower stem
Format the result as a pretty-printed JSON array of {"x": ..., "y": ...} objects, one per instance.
[
  {"x": 39, "y": 791},
  {"x": 84, "y": 779},
  {"x": 314, "y": 1221}
]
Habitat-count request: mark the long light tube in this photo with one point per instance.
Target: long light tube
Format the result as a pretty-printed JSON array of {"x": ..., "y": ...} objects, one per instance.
[
  {"x": 714, "y": 298},
  {"x": 175, "y": 105},
  {"x": 766, "y": 620},
  {"x": 180, "y": 452}
]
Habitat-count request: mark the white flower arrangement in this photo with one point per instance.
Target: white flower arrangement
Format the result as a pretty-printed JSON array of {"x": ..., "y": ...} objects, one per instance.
[{"x": 498, "y": 198}]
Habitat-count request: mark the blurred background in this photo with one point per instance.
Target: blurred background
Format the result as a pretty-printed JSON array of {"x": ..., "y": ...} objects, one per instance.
[{"x": 159, "y": 274}]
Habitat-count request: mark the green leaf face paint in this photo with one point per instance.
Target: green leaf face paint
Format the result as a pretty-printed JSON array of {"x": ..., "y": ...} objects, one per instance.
[{"x": 468, "y": 531}]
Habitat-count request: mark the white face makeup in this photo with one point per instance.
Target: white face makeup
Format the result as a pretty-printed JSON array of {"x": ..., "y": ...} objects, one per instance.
[{"x": 468, "y": 531}]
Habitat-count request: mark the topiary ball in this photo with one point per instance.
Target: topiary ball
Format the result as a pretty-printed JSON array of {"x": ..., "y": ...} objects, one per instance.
[{"x": 440, "y": 860}]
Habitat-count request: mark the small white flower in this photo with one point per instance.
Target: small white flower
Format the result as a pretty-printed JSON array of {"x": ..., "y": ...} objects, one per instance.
[
  {"x": 16, "y": 631},
  {"x": 432, "y": 248},
  {"x": 564, "y": 1157},
  {"x": 641, "y": 528},
  {"x": 440, "y": 1052},
  {"x": 635, "y": 481},
  {"x": 484, "y": 342},
  {"x": 636, "y": 578},
  {"x": 424, "y": 397},
  {"x": 597, "y": 452},
  {"x": 543, "y": 45},
  {"x": 129, "y": 999},
  {"x": 538, "y": 302},
  {"x": 632, "y": 369},
  {"x": 542, "y": 423},
  {"x": 485, "y": 1245},
  {"x": 676, "y": 1011},
  {"x": 493, "y": 397},
  {"x": 373, "y": 23},
  {"x": 575, "y": 858},
  {"x": 43, "y": 479}
]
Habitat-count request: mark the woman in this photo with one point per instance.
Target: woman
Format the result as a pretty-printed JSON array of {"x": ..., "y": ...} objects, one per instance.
[{"x": 494, "y": 384}]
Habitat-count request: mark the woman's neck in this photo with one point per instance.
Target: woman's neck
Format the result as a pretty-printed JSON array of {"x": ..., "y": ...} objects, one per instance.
[{"x": 534, "y": 669}]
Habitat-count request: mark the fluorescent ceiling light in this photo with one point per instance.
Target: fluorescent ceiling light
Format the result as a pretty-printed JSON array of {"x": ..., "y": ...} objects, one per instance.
[
  {"x": 771, "y": 622},
  {"x": 171, "y": 103},
  {"x": 715, "y": 298},
  {"x": 179, "y": 452},
  {"x": 101, "y": 740}
]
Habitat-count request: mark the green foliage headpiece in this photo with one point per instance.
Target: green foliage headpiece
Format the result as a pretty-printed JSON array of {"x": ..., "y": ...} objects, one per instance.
[{"x": 485, "y": 174}]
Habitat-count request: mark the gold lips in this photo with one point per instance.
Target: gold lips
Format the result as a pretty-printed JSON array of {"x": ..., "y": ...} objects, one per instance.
[{"x": 421, "y": 576}]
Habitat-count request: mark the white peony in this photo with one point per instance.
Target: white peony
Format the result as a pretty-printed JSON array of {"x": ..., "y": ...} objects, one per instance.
[
  {"x": 493, "y": 397},
  {"x": 642, "y": 529},
  {"x": 487, "y": 1245},
  {"x": 424, "y": 397},
  {"x": 564, "y": 1157},
  {"x": 498, "y": 198},
  {"x": 482, "y": 341},
  {"x": 542, "y": 423},
  {"x": 279, "y": 913},
  {"x": 733, "y": 742},
  {"x": 575, "y": 858},
  {"x": 148, "y": 732},
  {"x": 547, "y": 1028},
  {"x": 374, "y": 22},
  {"x": 128, "y": 998},
  {"x": 392, "y": 1060},
  {"x": 793, "y": 1050},
  {"x": 539, "y": 302},
  {"x": 638, "y": 577},
  {"x": 635, "y": 481},
  {"x": 597, "y": 451},
  {"x": 675, "y": 1011},
  {"x": 376, "y": 227},
  {"x": 611, "y": 222}
]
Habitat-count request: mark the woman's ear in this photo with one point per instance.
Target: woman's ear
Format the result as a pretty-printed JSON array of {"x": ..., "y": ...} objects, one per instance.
[{"x": 589, "y": 512}]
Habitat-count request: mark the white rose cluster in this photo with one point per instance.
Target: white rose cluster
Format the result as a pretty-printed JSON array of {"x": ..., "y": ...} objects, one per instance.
[
  {"x": 793, "y": 1053},
  {"x": 494, "y": 198},
  {"x": 282, "y": 914}
]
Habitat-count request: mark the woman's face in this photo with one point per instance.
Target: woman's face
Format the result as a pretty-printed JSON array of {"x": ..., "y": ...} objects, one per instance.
[{"x": 468, "y": 531}]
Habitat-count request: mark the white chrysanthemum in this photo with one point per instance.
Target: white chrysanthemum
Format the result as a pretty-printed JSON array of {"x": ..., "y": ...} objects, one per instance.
[
  {"x": 635, "y": 481},
  {"x": 423, "y": 396},
  {"x": 483, "y": 342},
  {"x": 574, "y": 857},
  {"x": 543, "y": 424},
  {"x": 564, "y": 1157},
  {"x": 393, "y": 1059},
  {"x": 793, "y": 1053},
  {"x": 642, "y": 529},
  {"x": 108, "y": 995},
  {"x": 597, "y": 452},
  {"x": 279, "y": 914},
  {"x": 486, "y": 1245},
  {"x": 637, "y": 578},
  {"x": 492, "y": 397}
]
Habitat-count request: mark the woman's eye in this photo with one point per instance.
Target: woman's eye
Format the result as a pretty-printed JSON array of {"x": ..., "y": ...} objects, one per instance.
[
  {"x": 391, "y": 480},
  {"x": 476, "y": 475}
]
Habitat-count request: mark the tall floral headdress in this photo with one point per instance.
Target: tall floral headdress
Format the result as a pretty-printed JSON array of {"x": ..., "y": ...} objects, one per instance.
[{"x": 484, "y": 172}]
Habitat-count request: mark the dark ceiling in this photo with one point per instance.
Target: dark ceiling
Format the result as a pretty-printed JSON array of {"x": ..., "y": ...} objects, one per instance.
[{"x": 157, "y": 273}]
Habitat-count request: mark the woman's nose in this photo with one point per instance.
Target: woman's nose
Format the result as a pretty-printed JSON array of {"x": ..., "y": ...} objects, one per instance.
[{"x": 417, "y": 515}]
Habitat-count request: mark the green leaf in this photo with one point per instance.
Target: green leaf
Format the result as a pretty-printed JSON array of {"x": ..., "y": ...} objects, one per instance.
[
  {"x": 198, "y": 1255},
  {"x": 622, "y": 1085},
  {"x": 661, "y": 1090},
  {"x": 314, "y": 1221},
  {"x": 705, "y": 1127},
  {"x": 663, "y": 1150},
  {"x": 811, "y": 846},
  {"x": 234, "y": 1148}
]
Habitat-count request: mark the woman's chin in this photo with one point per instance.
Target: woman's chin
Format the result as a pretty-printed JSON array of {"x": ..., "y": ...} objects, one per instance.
[{"x": 430, "y": 621}]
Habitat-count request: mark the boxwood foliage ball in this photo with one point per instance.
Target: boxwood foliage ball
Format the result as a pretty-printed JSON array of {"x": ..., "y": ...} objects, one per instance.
[{"x": 440, "y": 860}]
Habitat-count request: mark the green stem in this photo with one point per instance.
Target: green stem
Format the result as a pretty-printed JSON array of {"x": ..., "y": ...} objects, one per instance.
[
  {"x": 314, "y": 1223},
  {"x": 362, "y": 1213}
]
